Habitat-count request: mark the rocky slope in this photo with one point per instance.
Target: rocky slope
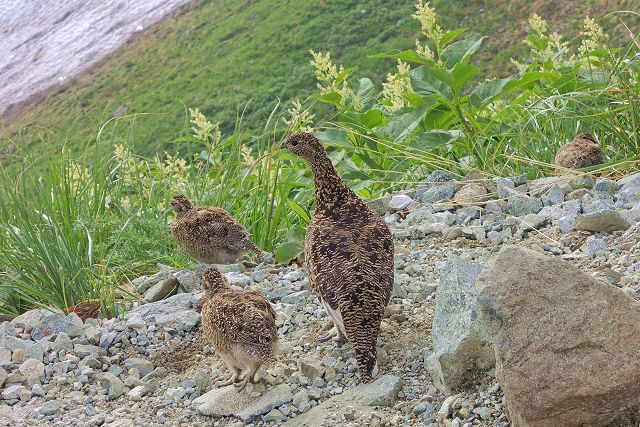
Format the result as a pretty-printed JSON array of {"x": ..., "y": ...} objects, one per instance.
[{"x": 458, "y": 310}]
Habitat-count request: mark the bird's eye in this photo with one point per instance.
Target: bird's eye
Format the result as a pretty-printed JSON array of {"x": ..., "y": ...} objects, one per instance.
[{"x": 294, "y": 143}]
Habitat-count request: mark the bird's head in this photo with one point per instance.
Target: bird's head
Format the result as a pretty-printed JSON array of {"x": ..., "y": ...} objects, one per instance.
[
  {"x": 305, "y": 145},
  {"x": 180, "y": 204},
  {"x": 213, "y": 281},
  {"x": 587, "y": 138}
]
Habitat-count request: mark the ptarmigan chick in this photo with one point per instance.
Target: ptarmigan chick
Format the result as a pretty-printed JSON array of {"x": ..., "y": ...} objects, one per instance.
[
  {"x": 240, "y": 325},
  {"x": 349, "y": 255},
  {"x": 209, "y": 234},
  {"x": 582, "y": 152}
]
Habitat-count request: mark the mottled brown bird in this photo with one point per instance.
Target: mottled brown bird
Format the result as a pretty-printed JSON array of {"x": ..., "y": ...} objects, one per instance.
[
  {"x": 209, "y": 234},
  {"x": 349, "y": 255},
  {"x": 240, "y": 325},
  {"x": 582, "y": 152}
]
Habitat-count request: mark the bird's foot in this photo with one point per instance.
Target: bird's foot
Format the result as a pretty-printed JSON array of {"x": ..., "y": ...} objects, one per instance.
[
  {"x": 243, "y": 383},
  {"x": 333, "y": 335},
  {"x": 233, "y": 380}
]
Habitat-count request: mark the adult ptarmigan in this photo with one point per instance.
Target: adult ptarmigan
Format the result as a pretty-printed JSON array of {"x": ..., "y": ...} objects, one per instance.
[
  {"x": 240, "y": 325},
  {"x": 582, "y": 152},
  {"x": 209, "y": 234},
  {"x": 349, "y": 255}
]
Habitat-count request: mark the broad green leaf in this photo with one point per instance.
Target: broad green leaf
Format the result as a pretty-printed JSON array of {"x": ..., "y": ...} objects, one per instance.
[
  {"x": 460, "y": 52},
  {"x": 288, "y": 251},
  {"x": 525, "y": 82},
  {"x": 332, "y": 137},
  {"x": 432, "y": 139},
  {"x": 462, "y": 73},
  {"x": 427, "y": 81},
  {"x": 406, "y": 55},
  {"x": 298, "y": 209},
  {"x": 369, "y": 119},
  {"x": 403, "y": 125},
  {"x": 365, "y": 91},
  {"x": 344, "y": 74},
  {"x": 450, "y": 36},
  {"x": 331, "y": 98},
  {"x": 487, "y": 91}
]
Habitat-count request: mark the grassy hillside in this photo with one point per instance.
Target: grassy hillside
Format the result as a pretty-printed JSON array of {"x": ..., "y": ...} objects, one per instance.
[{"x": 223, "y": 56}]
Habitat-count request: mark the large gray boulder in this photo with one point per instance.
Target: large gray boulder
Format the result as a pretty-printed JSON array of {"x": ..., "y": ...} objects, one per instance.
[
  {"x": 462, "y": 347},
  {"x": 361, "y": 400},
  {"x": 175, "y": 310},
  {"x": 566, "y": 344},
  {"x": 226, "y": 401}
]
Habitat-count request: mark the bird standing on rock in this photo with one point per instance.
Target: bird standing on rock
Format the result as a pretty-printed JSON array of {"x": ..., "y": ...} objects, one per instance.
[
  {"x": 582, "y": 152},
  {"x": 240, "y": 325},
  {"x": 349, "y": 254},
  {"x": 209, "y": 234}
]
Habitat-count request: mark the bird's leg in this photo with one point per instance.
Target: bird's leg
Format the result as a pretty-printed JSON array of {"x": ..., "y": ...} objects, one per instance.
[
  {"x": 235, "y": 373},
  {"x": 232, "y": 380}
]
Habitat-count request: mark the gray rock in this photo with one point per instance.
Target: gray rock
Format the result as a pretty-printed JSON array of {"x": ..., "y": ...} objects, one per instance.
[
  {"x": 202, "y": 379},
  {"x": 629, "y": 193},
  {"x": 226, "y": 401},
  {"x": 168, "y": 311},
  {"x": 532, "y": 221},
  {"x": 495, "y": 238},
  {"x": 594, "y": 245},
  {"x": 605, "y": 185},
  {"x": 274, "y": 415},
  {"x": 84, "y": 350},
  {"x": 381, "y": 392},
  {"x": 596, "y": 204},
  {"x": 107, "y": 338},
  {"x": 239, "y": 279},
  {"x": 37, "y": 390},
  {"x": 399, "y": 202},
  {"x": 112, "y": 384},
  {"x": 296, "y": 297},
  {"x": 162, "y": 289},
  {"x": 439, "y": 193},
  {"x": 310, "y": 368},
  {"x": 7, "y": 330},
  {"x": 32, "y": 370},
  {"x": 50, "y": 407},
  {"x": 505, "y": 187},
  {"x": 187, "y": 321},
  {"x": 602, "y": 221},
  {"x": 143, "y": 366},
  {"x": 519, "y": 204},
  {"x": 54, "y": 323},
  {"x": 62, "y": 342},
  {"x": 3, "y": 376},
  {"x": 294, "y": 276},
  {"x": 435, "y": 178},
  {"x": 36, "y": 351},
  {"x": 12, "y": 392},
  {"x": 470, "y": 194},
  {"x": 462, "y": 348},
  {"x": 144, "y": 283},
  {"x": 570, "y": 211},
  {"x": 30, "y": 319}
]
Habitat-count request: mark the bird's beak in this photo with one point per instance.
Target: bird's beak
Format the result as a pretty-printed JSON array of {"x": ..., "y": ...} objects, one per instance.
[{"x": 283, "y": 145}]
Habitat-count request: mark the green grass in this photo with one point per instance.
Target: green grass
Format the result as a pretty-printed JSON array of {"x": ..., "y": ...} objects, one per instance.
[
  {"x": 86, "y": 196},
  {"x": 226, "y": 57}
]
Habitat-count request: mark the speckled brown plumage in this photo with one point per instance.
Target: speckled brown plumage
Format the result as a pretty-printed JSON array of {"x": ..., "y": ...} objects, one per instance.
[
  {"x": 240, "y": 325},
  {"x": 349, "y": 255},
  {"x": 582, "y": 152},
  {"x": 209, "y": 234}
]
